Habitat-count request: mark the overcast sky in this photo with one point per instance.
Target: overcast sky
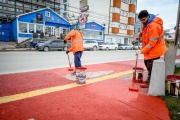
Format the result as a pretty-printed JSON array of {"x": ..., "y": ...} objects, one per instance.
[{"x": 167, "y": 10}]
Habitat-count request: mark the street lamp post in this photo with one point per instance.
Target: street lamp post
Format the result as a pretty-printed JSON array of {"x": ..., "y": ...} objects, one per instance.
[{"x": 170, "y": 55}]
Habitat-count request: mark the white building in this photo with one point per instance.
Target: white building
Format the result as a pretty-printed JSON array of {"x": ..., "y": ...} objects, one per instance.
[{"x": 117, "y": 16}]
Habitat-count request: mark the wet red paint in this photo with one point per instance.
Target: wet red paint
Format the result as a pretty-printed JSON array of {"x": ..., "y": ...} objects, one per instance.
[{"x": 110, "y": 99}]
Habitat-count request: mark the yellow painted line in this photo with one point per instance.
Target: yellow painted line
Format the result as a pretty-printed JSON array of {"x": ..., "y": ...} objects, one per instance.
[{"x": 6, "y": 99}]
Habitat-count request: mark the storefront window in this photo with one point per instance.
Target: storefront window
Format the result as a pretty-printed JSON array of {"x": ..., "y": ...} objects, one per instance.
[
  {"x": 92, "y": 34},
  {"x": 31, "y": 28},
  {"x": 39, "y": 28},
  {"x": 23, "y": 27}
]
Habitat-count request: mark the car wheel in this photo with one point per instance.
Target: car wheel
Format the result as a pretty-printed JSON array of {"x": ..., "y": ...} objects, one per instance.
[
  {"x": 46, "y": 49},
  {"x": 126, "y": 48},
  {"x": 116, "y": 48},
  {"x": 107, "y": 48},
  {"x": 132, "y": 48},
  {"x": 95, "y": 48},
  {"x": 36, "y": 48}
]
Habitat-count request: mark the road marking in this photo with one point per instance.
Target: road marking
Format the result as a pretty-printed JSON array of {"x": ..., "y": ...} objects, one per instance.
[{"x": 6, "y": 99}]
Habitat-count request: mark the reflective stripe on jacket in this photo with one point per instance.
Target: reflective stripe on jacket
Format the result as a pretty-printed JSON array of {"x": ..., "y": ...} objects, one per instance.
[
  {"x": 76, "y": 41},
  {"x": 153, "y": 43}
]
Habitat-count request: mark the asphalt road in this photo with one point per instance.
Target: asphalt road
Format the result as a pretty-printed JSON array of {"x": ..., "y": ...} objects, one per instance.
[{"x": 24, "y": 61}]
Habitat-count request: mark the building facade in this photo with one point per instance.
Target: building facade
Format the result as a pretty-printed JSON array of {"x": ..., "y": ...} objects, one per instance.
[
  {"x": 9, "y": 9},
  {"x": 117, "y": 16},
  {"x": 27, "y": 25}
]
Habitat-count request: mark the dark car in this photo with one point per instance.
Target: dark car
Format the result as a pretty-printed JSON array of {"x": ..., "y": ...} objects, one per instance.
[
  {"x": 34, "y": 43},
  {"x": 52, "y": 45}
]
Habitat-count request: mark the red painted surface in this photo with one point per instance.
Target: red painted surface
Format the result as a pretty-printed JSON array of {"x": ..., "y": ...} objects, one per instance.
[{"x": 109, "y": 99}]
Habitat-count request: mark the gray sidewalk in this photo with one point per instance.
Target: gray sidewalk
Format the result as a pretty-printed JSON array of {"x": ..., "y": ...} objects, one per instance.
[{"x": 11, "y": 46}]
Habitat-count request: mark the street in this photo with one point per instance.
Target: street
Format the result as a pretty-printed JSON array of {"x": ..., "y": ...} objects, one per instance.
[{"x": 24, "y": 61}]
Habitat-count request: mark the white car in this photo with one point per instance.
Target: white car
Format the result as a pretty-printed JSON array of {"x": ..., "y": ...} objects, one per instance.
[
  {"x": 126, "y": 47},
  {"x": 108, "y": 46},
  {"x": 90, "y": 45}
]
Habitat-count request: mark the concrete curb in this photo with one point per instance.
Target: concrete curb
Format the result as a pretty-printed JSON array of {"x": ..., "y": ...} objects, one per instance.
[{"x": 16, "y": 49}]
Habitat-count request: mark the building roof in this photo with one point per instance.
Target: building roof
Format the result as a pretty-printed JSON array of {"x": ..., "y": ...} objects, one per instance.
[
  {"x": 96, "y": 23},
  {"x": 47, "y": 8}
]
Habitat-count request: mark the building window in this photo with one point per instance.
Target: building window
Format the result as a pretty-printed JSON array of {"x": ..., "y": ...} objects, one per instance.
[
  {"x": 65, "y": 31},
  {"x": 31, "y": 28},
  {"x": 19, "y": 4},
  {"x": 130, "y": 27},
  {"x": 2, "y": 15},
  {"x": 115, "y": 24},
  {"x": 64, "y": 1},
  {"x": 4, "y": 8},
  {"x": 26, "y": 5},
  {"x": 109, "y": 40},
  {"x": 92, "y": 34},
  {"x": 115, "y": 10},
  {"x": 35, "y": 7},
  {"x": 130, "y": 14},
  {"x": 126, "y": 41},
  {"x": 125, "y": 1},
  {"x": 4, "y": 1},
  {"x": 35, "y": 0},
  {"x": 123, "y": 26},
  {"x": 11, "y": 9},
  {"x": 23, "y": 27},
  {"x": 18, "y": 10},
  {"x": 11, "y": 2},
  {"x": 39, "y": 28},
  {"x": 132, "y": 2},
  {"x": 118, "y": 40},
  {"x": 57, "y": 5},
  {"x": 65, "y": 15},
  {"x": 12, "y": 16}
]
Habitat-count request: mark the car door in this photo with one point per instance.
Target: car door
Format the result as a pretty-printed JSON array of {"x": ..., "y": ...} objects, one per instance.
[
  {"x": 53, "y": 44},
  {"x": 111, "y": 46},
  {"x": 60, "y": 45}
]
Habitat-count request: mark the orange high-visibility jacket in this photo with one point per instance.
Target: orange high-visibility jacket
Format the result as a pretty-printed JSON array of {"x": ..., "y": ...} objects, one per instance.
[
  {"x": 76, "y": 41},
  {"x": 153, "y": 43}
]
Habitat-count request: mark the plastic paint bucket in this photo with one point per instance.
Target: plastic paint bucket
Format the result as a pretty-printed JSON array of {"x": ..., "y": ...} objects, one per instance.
[
  {"x": 138, "y": 74},
  {"x": 81, "y": 75}
]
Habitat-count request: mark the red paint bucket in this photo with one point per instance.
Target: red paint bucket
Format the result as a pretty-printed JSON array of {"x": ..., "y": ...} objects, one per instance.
[
  {"x": 138, "y": 74},
  {"x": 81, "y": 75}
]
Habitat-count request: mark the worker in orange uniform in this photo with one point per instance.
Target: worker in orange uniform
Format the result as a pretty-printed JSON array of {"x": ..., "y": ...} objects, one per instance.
[
  {"x": 77, "y": 47},
  {"x": 153, "y": 43}
]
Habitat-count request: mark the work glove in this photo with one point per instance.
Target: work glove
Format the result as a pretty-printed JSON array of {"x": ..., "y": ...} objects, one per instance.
[
  {"x": 67, "y": 52},
  {"x": 138, "y": 52},
  {"x": 65, "y": 42}
]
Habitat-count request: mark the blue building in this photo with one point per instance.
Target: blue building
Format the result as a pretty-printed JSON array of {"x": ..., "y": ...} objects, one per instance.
[
  {"x": 42, "y": 20},
  {"x": 47, "y": 21},
  {"x": 92, "y": 31}
]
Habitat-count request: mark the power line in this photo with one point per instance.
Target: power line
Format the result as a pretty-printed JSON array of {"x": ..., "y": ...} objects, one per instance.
[{"x": 88, "y": 12}]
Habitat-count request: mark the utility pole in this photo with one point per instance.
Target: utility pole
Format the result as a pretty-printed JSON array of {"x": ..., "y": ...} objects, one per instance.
[{"x": 170, "y": 55}]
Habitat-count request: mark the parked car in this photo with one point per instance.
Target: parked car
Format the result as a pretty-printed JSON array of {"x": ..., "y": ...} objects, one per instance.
[
  {"x": 126, "y": 47},
  {"x": 108, "y": 46},
  {"x": 90, "y": 45},
  {"x": 52, "y": 45},
  {"x": 138, "y": 47},
  {"x": 34, "y": 43}
]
